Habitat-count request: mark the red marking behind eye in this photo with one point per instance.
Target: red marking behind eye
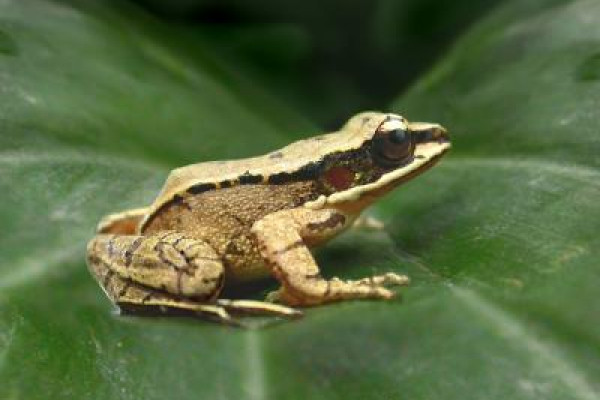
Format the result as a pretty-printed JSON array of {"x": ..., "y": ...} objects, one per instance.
[{"x": 339, "y": 177}]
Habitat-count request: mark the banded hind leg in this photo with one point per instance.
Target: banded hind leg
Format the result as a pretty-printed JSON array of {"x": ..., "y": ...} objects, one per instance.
[{"x": 166, "y": 273}]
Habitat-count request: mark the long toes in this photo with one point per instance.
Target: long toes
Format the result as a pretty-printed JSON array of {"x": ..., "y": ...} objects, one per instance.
[
  {"x": 394, "y": 279},
  {"x": 379, "y": 292},
  {"x": 389, "y": 279}
]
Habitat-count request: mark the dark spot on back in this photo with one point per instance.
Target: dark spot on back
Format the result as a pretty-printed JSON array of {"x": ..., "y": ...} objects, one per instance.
[{"x": 276, "y": 154}]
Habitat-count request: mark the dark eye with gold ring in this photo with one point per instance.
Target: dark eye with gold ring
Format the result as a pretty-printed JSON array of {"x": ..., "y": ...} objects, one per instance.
[{"x": 393, "y": 147}]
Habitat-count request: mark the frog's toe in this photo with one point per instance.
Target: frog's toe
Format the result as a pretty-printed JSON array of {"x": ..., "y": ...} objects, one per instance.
[
  {"x": 258, "y": 307},
  {"x": 388, "y": 279},
  {"x": 395, "y": 279},
  {"x": 368, "y": 223},
  {"x": 379, "y": 292}
]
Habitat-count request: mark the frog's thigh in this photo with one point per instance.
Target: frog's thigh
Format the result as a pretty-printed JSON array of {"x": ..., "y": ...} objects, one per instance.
[
  {"x": 167, "y": 272},
  {"x": 282, "y": 238},
  {"x": 168, "y": 262}
]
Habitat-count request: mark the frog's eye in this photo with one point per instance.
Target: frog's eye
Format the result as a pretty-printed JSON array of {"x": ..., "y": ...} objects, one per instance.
[{"x": 392, "y": 147}]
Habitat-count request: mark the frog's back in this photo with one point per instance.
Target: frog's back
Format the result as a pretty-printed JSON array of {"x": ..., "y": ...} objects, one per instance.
[{"x": 291, "y": 163}]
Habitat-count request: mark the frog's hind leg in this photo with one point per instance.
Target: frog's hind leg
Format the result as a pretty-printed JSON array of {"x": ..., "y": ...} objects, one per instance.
[{"x": 166, "y": 273}]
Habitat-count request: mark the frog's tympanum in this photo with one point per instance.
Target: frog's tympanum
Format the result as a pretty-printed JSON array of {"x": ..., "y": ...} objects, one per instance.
[{"x": 228, "y": 222}]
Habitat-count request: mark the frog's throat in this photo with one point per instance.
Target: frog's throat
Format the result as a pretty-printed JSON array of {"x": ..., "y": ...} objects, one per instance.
[{"x": 426, "y": 155}]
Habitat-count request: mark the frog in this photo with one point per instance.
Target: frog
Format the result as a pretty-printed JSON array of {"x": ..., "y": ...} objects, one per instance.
[{"x": 235, "y": 222}]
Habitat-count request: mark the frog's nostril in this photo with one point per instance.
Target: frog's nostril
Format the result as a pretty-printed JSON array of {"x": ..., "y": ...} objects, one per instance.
[{"x": 441, "y": 134}]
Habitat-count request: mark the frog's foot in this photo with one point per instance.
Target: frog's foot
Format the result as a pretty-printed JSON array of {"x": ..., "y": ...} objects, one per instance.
[
  {"x": 258, "y": 308},
  {"x": 282, "y": 237},
  {"x": 166, "y": 306},
  {"x": 388, "y": 279},
  {"x": 366, "y": 222},
  {"x": 371, "y": 287}
]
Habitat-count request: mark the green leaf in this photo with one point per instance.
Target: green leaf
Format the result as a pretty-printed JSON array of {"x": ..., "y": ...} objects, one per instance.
[{"x": 98, "y": 101}]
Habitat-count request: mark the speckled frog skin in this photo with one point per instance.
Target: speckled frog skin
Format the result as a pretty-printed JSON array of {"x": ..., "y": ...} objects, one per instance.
[{"x": 230, "y": 222}]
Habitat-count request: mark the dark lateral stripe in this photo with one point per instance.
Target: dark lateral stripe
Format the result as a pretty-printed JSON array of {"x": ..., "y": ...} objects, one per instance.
[
  {"x": 248, "y": 179},
  {"x": 280, "y": 178},
  {"x": 310, "y": 171},
  {"x": 423, "y": 136},
  {"x": 202, "y": 187},
  {"x": 428, "y": 135}
]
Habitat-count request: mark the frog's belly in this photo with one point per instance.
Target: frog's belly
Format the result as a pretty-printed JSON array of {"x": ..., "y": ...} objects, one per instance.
[{"x": 245, "y": 272}]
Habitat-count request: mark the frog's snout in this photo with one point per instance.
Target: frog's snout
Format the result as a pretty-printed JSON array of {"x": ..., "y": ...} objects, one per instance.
[
  {"x": 428, "y": 132},
  {"x": 441, "y": 134}
]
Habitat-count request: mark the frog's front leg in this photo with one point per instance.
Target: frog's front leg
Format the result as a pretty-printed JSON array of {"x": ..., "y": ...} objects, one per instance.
[
  {"x": 283, "y": 238},
  {"x": 166, "y": 273}
]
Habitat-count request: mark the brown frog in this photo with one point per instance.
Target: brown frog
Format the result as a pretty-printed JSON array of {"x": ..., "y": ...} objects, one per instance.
[{"x": 230, "y": 222}]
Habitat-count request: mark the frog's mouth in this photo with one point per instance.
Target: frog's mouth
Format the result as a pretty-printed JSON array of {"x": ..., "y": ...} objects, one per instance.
[{"x": 431, "y": 143}]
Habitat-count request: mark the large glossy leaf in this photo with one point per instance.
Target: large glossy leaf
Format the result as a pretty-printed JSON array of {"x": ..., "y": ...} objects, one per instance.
[{"x": 97, "y": 102}]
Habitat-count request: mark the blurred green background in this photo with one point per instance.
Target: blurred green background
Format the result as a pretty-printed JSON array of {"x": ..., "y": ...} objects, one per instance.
[
  {"x": 330, "y": 58},
  {"x": 99, "y": 100}
]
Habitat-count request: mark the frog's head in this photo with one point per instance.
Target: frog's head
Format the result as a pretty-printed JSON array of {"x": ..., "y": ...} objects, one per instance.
[{"x": 384, "y": 150}]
